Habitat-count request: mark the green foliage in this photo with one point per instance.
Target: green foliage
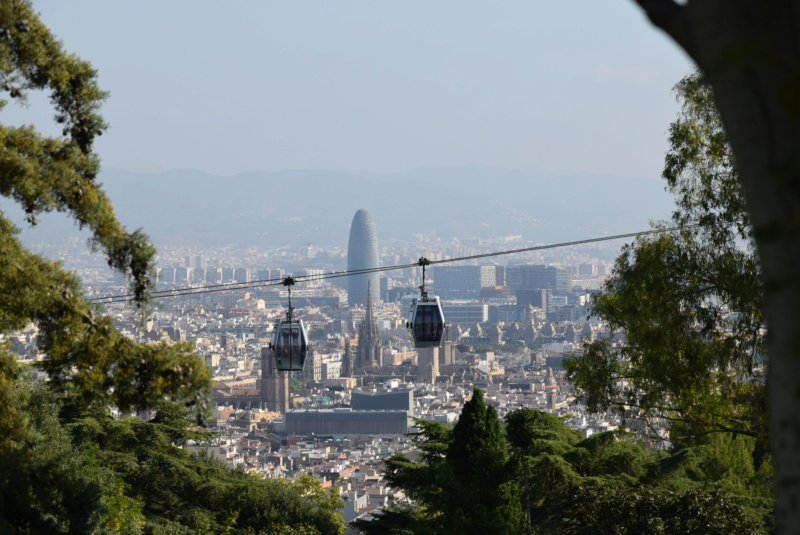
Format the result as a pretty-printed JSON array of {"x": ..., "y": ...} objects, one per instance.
[
  {"x": 295, "y": 384},
  {"x": 463, "y": 348},
  {"x": 329, "y": 501},
  {"x": 82, "y": 350},
  {"x": 285, "y": 529},
  {"x": 482, "y": 498},
  {"x": 564, "y": 483},
  {"x": 689, "y": 302},
  {"x": 531, "y": 433},
  {"x": 460, "y": 483},
  {"x": 424, "y": 481},
  {"x": 67, "y": 465},
  {"x": 177, "y": 491},
  {"x": 496, "y": 348},
  {"x": 47, "y": 485},
  {"x": 402, "y": 519},
  {"x": 514, "y": 349},
  {"x": 607, "y": 511}
]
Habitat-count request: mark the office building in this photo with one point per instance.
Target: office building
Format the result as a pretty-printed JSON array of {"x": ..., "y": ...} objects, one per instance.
[
  {"x": 529, "y": 277},
  {"x": 465, "y": 313},
  {"x": 362, "y": 253},
  {"x": 536, "y": 297},
  {"x": 462, "y": 282}
]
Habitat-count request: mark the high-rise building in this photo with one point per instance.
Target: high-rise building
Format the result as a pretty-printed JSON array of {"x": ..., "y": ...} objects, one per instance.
[
  {"x": 542, "y": 277},
  {"x": 537, "y": 297},
  {"x": 182, "y": 275},
  {"x": 362, "y": 253},
  {"x": 242, "y": 274},
  {"x": 213, "y": 275},
  {"x": 274, "y": 384},
  {"x": 465, "y": 313},
  {"x": 587, "y": 270},
  {"x": 500, "y": 275},
  {"x": 462, "y": 282},
  {"x": 312, "y": 371},
  {"x": 167, "y": 275},
  {"x": 447, "y": 353}
]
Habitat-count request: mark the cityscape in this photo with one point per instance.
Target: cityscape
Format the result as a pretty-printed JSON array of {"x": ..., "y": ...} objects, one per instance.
[
  {"x": 399, "y": 269},
  {"x": 509, "y": 328}
]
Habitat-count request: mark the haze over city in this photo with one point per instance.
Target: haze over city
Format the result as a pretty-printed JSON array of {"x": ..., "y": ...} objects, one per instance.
[{"x": 411, "y": 99}]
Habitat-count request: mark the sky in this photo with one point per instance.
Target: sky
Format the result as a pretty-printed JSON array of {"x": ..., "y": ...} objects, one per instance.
[{"x": 373, "y": 87}]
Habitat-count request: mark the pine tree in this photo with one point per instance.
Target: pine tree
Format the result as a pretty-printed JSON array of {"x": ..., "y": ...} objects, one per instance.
[{"x": 482, "y": 498}]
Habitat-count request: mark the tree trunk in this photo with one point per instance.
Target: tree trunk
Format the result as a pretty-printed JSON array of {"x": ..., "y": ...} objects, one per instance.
[
  {"x": 750, "y": 53},
  {"x": 527, "y": 502}
]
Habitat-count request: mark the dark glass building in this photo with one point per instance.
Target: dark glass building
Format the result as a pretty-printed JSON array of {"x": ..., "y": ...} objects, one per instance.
[
  {"x": 362, "y": 253},
  {"x": 529, "y": 277}
]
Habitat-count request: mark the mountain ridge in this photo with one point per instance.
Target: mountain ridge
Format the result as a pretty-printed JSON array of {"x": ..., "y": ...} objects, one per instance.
[{"x": 295, "y": 207}]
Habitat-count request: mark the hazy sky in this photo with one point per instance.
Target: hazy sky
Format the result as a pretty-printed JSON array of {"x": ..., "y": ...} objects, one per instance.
[{"x": 226, "y": 87}]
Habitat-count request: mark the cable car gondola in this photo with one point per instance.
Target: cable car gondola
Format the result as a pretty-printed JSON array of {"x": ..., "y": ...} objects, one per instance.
[
  {"x": 426, "y": 322},
  {"x": 289, "y": 342}
]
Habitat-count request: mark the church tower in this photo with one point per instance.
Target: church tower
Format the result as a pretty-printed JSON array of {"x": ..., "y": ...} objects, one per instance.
[
  {"x": 348, "y": 360},
  {"x": 369, "y": 353}
]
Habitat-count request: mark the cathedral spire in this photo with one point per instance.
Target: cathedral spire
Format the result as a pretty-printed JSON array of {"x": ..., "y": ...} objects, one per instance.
[
  {"x": 369, "y": 352},
  {"x": 368, "y": 316}
]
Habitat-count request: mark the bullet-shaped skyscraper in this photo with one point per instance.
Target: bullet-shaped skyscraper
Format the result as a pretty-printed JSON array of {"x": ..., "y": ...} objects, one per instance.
[{"x": 362, "y": 253}]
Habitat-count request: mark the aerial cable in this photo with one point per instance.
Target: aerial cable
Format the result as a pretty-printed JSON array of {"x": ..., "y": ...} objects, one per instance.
[
  {"x": 177, "y": 292},
  {"x": 337, "y": 274}
]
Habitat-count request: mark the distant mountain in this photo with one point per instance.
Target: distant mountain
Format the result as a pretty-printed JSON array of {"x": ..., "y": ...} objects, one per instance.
[{"x": 297, "y": 207}]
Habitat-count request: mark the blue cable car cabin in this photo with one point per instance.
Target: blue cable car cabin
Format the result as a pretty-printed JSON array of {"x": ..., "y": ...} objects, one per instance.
[
  {"x": 427, "y": 322},
  {"x": 290, "y": 345}
]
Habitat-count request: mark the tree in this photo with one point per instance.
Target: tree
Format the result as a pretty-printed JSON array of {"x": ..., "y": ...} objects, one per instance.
[
  {"x": 689, "y": 302},
  {"x": 425, "y": 480},
  {"x": 482, "y": 499},
  {"x": 328, "y": 501},
  {"x": 82, "y": 349},
  {"x": 564, "y": 483},
  {"x": 606, "y": 511},
  {"x": 612, "y": 483},
  {"x": 295, "y": 384},
  {"x": 167, "y": 488},
  {"x": 748, "y": 53},
  {"x": 48, "y": 485},
  {"x": 689, "y": 305},
  {"x": 533, "y": 436},
  {"x": 460, "y": 485}
]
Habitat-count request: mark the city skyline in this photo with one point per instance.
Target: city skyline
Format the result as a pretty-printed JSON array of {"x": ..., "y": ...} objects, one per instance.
[{"x": 483, "y": 202}]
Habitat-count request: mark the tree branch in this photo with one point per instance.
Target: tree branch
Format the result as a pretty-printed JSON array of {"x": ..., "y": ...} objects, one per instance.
[{"x": 671, "y": 17}]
